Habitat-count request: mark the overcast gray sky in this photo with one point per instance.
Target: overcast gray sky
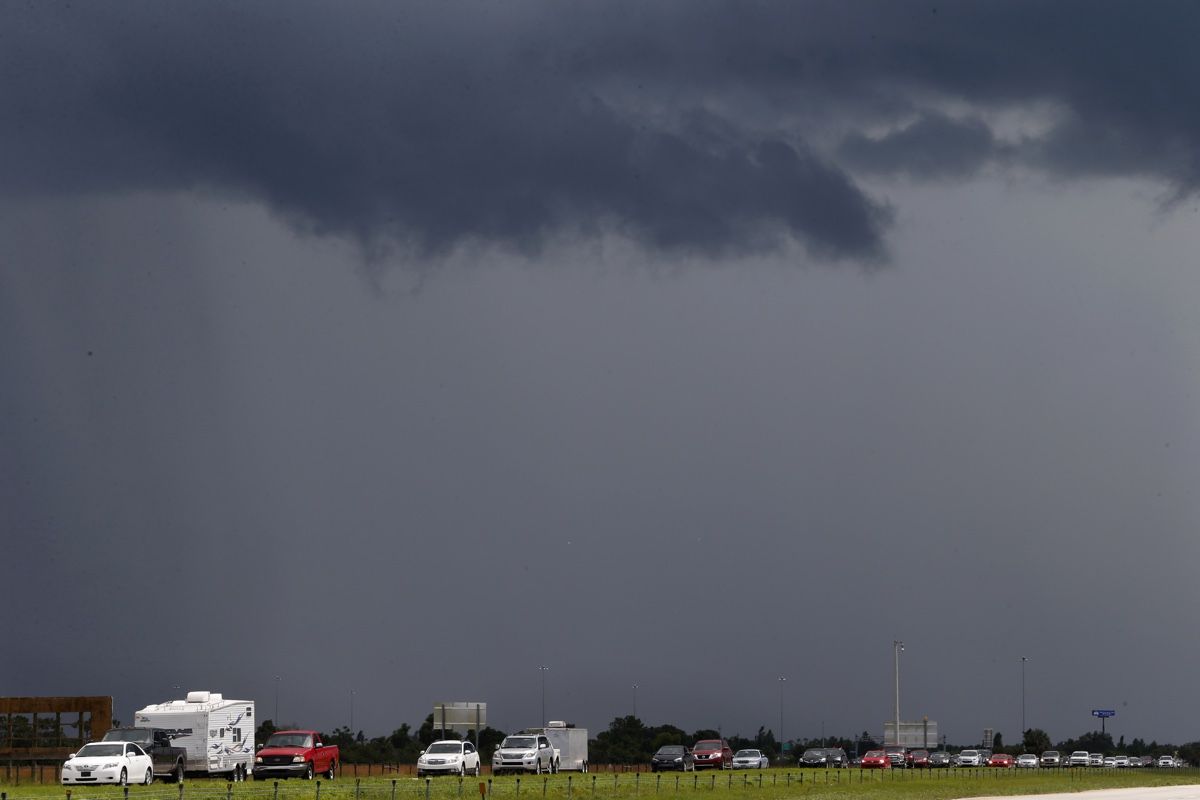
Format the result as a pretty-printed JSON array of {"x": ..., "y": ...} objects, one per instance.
[{"x": 398, "y": 349}]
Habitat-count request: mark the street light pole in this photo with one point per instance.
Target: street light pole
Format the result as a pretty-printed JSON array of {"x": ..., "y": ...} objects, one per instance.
[
  {"x": 898, "y": 648},
  {"x": 352, "y": 713},
  {"x": 276, "y": 720},
  {"x": 542, "y": 668},
  {"x": 782, "y": 681},
  {"x": 635, "y": 688},
  {"x": 1023, "y": 660}
]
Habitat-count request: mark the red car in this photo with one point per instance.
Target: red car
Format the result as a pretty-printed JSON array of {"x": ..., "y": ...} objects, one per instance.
[
  {"x": 917, "y": 759},
  {"x": 712, "y": 753},
  {"x": 876, "y": 759},
  {"x": 1001, "y": 760}
]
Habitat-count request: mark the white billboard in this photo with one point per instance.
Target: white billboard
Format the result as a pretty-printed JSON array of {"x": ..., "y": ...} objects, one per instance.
[{"x": 913, "y": 735}]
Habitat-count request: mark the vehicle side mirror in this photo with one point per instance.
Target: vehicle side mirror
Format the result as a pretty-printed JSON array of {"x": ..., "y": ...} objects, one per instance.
[
  {"x": 70, "y": 756},
  {"x": 258, "y": 746},
  {"x": 320, "y": 744}
]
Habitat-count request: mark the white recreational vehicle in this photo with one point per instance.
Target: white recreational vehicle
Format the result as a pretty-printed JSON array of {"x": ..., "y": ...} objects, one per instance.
[{"x": 218, "y": 734}]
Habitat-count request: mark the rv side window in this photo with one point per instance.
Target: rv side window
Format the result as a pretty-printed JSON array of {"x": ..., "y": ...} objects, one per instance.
[{"x": 237, "y": 734}]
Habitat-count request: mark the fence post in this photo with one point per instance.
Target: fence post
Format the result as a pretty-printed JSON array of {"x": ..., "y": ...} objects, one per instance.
[
  {"x": 657, "y": 782},
  {"x": 229, "y": 790},
  {"x": 276, "y": 795},
  {"x": 427, "y": 789},
  {"x": 460, "y": 783},
  {"x": 393, "y": 789},
  {"x": 180, "y": 791},
  {"x": 593, "y": 786},
  {"x": 544, "y": 782},
  {"x": 126, "y": 793},
  {"x": 568, "y": 786},
  {"x": 518, "y": 787},
  {"x": 637, "y": 781},
  {"x": 356, "y": 784}
]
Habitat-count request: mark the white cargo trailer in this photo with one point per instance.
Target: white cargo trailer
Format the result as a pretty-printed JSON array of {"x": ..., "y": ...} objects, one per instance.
[
  {"x": 571, "y": 744},
  {"x": 218, "y": 734}
]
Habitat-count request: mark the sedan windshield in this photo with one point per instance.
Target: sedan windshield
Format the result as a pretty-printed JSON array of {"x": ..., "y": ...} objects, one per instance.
[
  {"x": 445, "y": 747},
  {"x": 519, "y": 741},
  {"x": 95, "y": 750}
]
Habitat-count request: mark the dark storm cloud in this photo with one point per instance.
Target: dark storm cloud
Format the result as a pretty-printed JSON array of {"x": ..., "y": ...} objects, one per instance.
[
  {"x": 430, "y": 126},
  {"x": 387, "y": 127},
  {"x": 934, "y": 146}
]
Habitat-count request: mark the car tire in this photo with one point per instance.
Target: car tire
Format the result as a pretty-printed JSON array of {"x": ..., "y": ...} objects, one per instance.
[
  {"x": 124, "y": 779},
  {"x": 537, "y": 767},
  {"x": 149, "y": 778},
  {"x": 308, "y": 771},
  {"x": 476, "y": 771},
  {"x": 462, "y": 770},
  {"x": 331, "y": 773}
]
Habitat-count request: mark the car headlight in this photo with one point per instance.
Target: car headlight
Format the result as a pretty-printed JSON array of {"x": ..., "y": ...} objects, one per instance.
[
  {"x": 258, "y": 760},
  {"x": 297, "y": 759},
  {"x": 530, "y": 754},
  {"x": 110, "y": 765},
  {"x": 679, "y": 759},
  {"x": 67, "y": 766}
]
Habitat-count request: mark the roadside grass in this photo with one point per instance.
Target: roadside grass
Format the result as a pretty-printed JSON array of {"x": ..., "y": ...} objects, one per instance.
[{"x": 773, "y": 784}]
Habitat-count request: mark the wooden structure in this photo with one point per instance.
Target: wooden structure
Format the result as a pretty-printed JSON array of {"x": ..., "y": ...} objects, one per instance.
[{"x": 49, "y": 728}]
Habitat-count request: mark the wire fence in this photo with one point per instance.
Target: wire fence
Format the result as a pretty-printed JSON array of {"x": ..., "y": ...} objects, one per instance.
[{"x": 561, "y": 786}]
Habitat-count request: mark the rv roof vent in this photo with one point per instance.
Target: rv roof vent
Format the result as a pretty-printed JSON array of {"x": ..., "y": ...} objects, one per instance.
[
  {"x": 557, "y": 723},
  {"x": 197, "y": 697},
  {"x": 215, "y": 697}
]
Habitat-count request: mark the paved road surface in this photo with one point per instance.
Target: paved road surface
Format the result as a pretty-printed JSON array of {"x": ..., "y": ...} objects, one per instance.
[{"x": 1136, "y": 793}]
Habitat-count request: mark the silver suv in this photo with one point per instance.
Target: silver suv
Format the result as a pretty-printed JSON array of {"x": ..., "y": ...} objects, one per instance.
[
  {"x": 1051, "y": 758},
  {"x": 524, "y": 752}
]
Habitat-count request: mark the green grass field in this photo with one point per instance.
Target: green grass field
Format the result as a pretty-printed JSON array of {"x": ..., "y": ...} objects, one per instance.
[{"x": 776, "y": 784}]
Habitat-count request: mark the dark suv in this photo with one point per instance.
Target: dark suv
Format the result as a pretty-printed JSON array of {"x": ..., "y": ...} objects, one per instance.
[
  {"x": 712, "y": 753},
  {"x": 673, "y": 756}
]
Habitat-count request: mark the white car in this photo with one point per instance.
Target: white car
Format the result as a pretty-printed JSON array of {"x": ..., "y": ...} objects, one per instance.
[
  {"x": 750, "y": 759},
  {"x": 1166, "y": 761},
  {"x": 449, "y": 756},
  {"x": 108, "y": 762},
  {"x": 1078, "y": 759},
  {"x": 525, "y": 752},
  {"x": 1027, "y": 761},
  {"x": 970, "y": 758}
]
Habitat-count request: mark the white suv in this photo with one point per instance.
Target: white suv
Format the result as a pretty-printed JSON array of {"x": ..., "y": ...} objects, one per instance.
[
  {"x": 1079, "y": 758},
  {"x": 524, "y": 752}
]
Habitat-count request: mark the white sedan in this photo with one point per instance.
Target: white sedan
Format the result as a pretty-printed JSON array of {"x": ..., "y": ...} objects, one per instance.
[
  {"x": 1027, "y": 761},
  {"x": 108, "y": 762},
  {"x": 750, "y": 759},
  {"x": 449, "y": 756}
]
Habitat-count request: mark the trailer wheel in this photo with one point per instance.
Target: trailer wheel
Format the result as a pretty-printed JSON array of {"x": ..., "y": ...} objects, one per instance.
[
  {"x": 177, "y": 773},
  {"x": 308, "y": 771}
]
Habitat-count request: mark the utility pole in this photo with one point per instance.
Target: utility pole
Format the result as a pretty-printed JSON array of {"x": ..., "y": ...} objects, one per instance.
[
  {"x": 898, "y": 648},
  {"x": 782, "y": 681},
  {"x": 1023, "y": 729},
  {"x": 542, "y": 668}
]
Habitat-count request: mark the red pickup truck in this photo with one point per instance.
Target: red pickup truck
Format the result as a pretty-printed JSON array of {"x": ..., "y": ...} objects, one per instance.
[{"x": 295, "y": 754}]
